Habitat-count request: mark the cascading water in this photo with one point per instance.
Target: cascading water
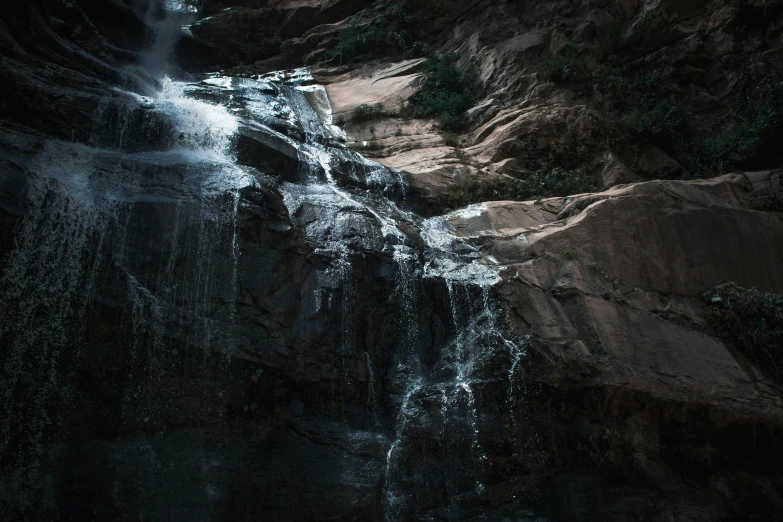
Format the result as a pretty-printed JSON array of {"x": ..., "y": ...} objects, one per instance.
[
  {"x": 87, "y": 207},
  {"x": 151, "y": 210}
]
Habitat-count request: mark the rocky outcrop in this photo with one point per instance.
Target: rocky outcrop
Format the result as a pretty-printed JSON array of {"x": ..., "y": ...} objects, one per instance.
[
  {"x": 546, "y": 73},
  {"x": 633, "y": 318},
  {"x": 215, "y": 308}
]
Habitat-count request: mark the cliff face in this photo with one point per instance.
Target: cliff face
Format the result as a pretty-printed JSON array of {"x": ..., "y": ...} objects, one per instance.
[
  {"x": 215, "y": 307},
  {"x": 644, "y": 90}
]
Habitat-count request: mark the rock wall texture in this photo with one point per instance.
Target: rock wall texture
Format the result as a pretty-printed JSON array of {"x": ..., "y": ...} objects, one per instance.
[
  {"x": 547, "y": 73},
  {"x": 215, "y": 308}
]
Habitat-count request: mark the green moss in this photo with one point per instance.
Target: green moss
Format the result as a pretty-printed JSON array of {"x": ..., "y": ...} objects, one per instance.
[{"x": 752, "y": 321}]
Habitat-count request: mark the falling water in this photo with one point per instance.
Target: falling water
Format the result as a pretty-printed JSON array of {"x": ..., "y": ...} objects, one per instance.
[
  {"x": 86, "y": 208},
  {"x": 91, "y": 212}
]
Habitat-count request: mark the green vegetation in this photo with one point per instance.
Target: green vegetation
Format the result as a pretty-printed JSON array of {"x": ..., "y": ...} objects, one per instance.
[
  {"x": 451, "y": 139},
  {"x": 444, "y": 93},
  {"x": 532, "y": 157},
  {"x": 445, "y": 90},
  {"x": 639, "y": 108},
  {"x": 769, "y": 199},
  {"x": 636, "y": 104},
  {"x": 555, "y": 173},
  {"x": 563, "y": 68},
  {"x": 756, "y": 131},
  {"x": 556, "y": 182},
  {"x": 397, "y": 33},
  {"x": 572, "y": 254},
  {"x": 752, "y": 320},
  {"x": 367, "y": 112},
  {"x": 357, "y": 40}
]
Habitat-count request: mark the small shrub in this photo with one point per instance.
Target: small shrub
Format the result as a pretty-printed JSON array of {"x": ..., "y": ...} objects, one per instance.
[
  {"x": 749, "y": 142},
  {"x": 752, "y": 320},
  {"x": 367, "y": 112},
  {"x": 526, "y": 150},
  {"x": 769, "y": 199},
  {"x": 444, "y": 94},
  {"x": 357, "y": 40},
  {"x": 571, "y": 254},
  {"x": 395, "y": 33},
  {"x": 637, "y": 104},
  {"x": 562, "y": 68},
  {"x": 451, "y": 139},
  {"x": 555, "y": 182},
  {"x": 472, "y": 191}
]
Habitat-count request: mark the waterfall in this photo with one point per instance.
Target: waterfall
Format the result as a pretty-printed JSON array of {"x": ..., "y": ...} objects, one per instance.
[
  {"x": 153, "y": 212},
  {"x": 86, "y": 206}
]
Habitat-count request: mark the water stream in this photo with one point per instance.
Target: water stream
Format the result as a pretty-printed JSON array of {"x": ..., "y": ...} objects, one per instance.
[{"x": 164, "y": 160}]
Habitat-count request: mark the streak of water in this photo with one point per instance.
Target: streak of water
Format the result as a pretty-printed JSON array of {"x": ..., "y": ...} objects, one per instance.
[{"x": 189, "y": 190}]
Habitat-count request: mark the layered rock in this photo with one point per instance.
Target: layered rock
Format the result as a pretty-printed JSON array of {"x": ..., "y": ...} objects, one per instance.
[
  {"x": 535, "y": 67},
  {"x": 214, "y": 309}
]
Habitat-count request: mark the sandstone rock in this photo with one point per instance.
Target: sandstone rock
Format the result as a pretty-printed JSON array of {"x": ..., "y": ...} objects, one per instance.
[
  {"x": 567, "y": 285},
  {"x": 244, "y": 340}
]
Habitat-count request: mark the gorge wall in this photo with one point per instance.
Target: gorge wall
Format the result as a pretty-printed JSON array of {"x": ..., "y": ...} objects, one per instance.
[{"x": 241, "y": 278}]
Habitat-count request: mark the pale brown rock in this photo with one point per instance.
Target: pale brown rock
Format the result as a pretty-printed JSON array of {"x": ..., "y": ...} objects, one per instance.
[{"x": 613, "y": 283}]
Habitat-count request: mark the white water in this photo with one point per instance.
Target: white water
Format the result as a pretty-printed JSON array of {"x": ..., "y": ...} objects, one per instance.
[
  {"x": 77, "y": 195},
  {"x": 81, "y": 193}
]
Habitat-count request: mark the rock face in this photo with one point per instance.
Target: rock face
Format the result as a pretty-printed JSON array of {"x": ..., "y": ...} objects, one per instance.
[
  {"x": 635, "y": 314},
  {"x": 546, "y": 73},
  {"x": 215, "y": 308}
]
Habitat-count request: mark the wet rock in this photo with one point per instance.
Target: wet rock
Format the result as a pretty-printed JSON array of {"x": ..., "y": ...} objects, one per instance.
[{"x": 245, "y": 319}]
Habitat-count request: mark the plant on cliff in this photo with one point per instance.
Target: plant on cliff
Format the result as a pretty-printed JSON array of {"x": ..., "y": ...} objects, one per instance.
[
  {"x": 752, "y": 320},
  {"x": 555, "y": 182},
  {"x": 563, "y": 67},
  {"x": 357, "y": 40},
  {"x": 637, "y": 104},
  {"x": 769, "y": 199},
  {"x": 748, "y": 140},
  {"x": 622, "y": 73},
  {"x": 444, "y": 93},
  {"x": 753, "y": 16},
  {"x": 640, "y": 108},
  {"x": 534, "y": 157},
  {"x": 397, "y": 33},
  {"x": 367, "y": 112}
]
